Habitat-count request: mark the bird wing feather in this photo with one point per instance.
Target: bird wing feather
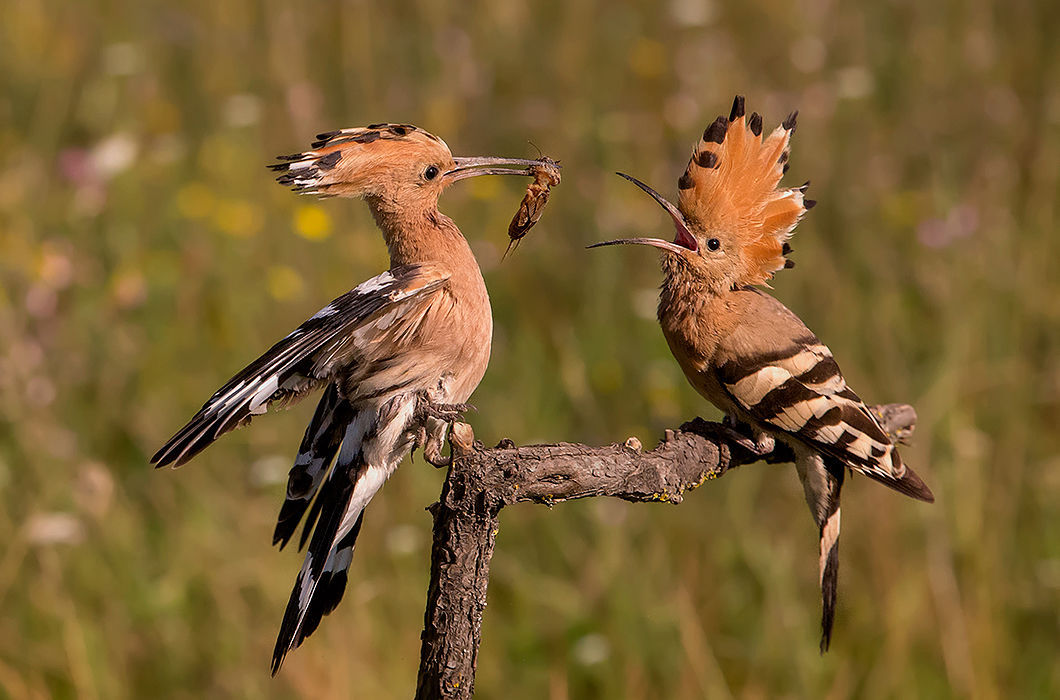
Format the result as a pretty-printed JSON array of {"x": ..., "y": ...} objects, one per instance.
[
  {"x": 795, "y": 386},
  {"x": 352, "y": 335}
]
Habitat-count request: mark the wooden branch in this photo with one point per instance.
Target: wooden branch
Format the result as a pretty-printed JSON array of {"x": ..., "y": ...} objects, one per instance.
[{"x": 482, "y": 481}]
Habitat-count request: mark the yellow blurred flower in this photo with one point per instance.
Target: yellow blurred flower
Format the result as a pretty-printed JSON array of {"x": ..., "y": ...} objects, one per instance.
[
  {"x": 647, "y": 58},
  {"x": 284, "y": 283},
  {"x": 238, "y": 218},
  {"x": 312, "y": 222},
  {"x": 195, "y": 201}
]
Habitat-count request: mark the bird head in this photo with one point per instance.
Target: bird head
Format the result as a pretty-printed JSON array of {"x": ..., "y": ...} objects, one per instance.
[
  {"x": 731, "y": 220},
  {"x": 397, "y": 165}
]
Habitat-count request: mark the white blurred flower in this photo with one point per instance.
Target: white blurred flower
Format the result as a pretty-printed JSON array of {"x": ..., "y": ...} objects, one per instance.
[
  {"x": 591, "y": 649},
  {"x": 693, "y": 13},
  {"x": 54, "y": 528},
  {"x": 114, "y": 154},
  {"x": 242, "y": 110},
  {"x": 854, "y": 83},
  {"x": 270, "y": 470},
  {"x": 403, "y": 539},
  {"x": 123, "y": 58}
]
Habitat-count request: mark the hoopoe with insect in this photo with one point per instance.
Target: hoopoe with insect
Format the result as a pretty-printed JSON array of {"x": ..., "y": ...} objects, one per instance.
[
  {"x": 743, "y": 350},
  {"x": 396, "y": 357}
]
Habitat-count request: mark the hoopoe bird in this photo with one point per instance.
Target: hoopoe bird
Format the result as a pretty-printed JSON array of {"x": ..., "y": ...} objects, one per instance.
[
  {"x": 396, "y": 357},
  {"x": 743, "y": 350}
]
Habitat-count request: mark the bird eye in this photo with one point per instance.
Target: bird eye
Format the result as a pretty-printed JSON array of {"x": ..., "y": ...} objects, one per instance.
[
  {"x": 713, "y": 244},
  {"x": 431, "y": 172}
]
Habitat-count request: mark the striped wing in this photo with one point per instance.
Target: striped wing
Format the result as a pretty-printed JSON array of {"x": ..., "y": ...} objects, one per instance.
[
  {"x": 800, "y": 391},
  {"x": 358, "y": 330}
]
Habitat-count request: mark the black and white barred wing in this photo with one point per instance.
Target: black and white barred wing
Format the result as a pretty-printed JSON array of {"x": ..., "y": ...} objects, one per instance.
[
  {"x": 800, "y": 390},
  {"x": 356, "y": 326}
]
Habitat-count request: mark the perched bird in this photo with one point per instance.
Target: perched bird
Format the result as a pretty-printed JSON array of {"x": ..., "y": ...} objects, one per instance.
[
  {"x": 742, "y": 349},
  {"x": 396, "y": 357}
]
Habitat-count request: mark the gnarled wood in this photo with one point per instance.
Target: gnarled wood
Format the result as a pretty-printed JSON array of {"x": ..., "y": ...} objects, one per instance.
[{"x": 482, "y": 481}]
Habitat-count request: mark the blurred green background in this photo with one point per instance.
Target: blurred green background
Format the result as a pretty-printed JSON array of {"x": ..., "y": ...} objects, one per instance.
[{"x": 146, "y": 255}]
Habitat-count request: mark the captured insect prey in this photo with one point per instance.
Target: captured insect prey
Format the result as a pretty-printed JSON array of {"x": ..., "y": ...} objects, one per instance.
[{"x": 546, "y": 176}]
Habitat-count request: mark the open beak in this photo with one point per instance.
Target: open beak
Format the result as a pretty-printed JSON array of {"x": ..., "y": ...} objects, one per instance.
[
  {"x": 488, "y": 165},
  {"x": 683, "y": 242}
]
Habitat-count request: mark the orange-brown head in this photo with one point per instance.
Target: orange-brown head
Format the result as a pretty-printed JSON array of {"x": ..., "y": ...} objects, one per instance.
[
  {"x": 732, "y": 220},
  {"x": 397, "y": 167}
]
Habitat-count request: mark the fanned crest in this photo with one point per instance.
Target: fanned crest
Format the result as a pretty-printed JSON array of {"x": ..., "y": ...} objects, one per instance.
[{"x": 731, "y": 184}]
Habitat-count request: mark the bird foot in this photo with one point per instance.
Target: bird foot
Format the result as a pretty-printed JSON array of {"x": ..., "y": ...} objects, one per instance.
[
  {"x": 461, "y": 441},
  {"x": 433, "y": 442},
  {"x": 448, "y": 412},
  {"x": 432, "y": 453},
  {"x": 761, "y": 446}
]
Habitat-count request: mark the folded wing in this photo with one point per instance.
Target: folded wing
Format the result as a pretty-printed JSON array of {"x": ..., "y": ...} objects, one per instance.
[
  {"x": 368, "y": 324},
  {"x": 797, "y": 387}
]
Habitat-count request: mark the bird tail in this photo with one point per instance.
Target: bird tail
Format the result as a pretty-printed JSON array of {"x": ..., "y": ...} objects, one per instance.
[
  {"x": 374, "y": 440},
  {"x": 822, "y": 481},
  {"x": 829, "y": 573},
  {"x": 319, "y": 447}
]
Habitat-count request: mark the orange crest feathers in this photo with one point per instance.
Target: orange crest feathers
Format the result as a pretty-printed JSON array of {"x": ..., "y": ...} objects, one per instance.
[
  {"x": 350, "y": 162},
  {"x": 730, "y": 185}
]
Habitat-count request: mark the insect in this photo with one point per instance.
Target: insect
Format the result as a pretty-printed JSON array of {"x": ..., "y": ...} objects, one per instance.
[{"x": 546, "y": 176}]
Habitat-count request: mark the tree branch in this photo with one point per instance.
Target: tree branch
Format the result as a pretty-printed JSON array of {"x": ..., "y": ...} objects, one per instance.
[{"x": 482, "y": 481}]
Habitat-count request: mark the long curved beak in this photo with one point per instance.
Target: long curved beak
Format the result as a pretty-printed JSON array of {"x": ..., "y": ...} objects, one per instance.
[
  {"x": 683, "y": 242},
  {"x": 488, "y": 165}
]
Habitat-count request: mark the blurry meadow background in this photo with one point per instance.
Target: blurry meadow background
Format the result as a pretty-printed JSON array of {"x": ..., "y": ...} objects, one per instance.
[{"x": 146, "y": 255}]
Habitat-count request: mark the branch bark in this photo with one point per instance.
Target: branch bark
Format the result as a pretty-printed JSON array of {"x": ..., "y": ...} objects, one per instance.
[{"x": 481, "y": 482}]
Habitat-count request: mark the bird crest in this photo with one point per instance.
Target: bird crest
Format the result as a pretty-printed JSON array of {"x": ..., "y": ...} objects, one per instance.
[
  {"x": 731, "y": 185},
  {"x": 358, "y": 161}
]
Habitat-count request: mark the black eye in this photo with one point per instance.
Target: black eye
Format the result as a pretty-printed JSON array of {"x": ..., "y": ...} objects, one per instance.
[
  {"x": 431, "y": 172},
  {"x": 713, "y": 244}
]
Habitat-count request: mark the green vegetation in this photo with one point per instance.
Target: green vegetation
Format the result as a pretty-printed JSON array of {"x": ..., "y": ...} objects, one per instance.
[{"x": 145, "y": 256}]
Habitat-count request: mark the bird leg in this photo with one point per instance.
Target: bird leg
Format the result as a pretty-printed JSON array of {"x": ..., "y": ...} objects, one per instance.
[{"x": 435, "y": 419}]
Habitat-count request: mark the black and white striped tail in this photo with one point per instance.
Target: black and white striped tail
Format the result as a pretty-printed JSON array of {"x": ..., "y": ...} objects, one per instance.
[
  {"x": 335, "y": 522},
  {"x": 822, "y": 481},
  {"x": 829, "y": 575},
  {"x": 375, "y": 438},
  {"x": 319, "y": 447}
]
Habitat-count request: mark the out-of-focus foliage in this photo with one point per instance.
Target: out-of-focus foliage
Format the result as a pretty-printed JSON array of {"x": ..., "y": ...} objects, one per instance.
[{"x": 145, "y": 256}]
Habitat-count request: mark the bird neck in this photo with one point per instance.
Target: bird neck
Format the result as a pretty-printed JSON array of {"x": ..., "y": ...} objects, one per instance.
[
  {"x": 693, "y": 313},
  {"x": 419, "y": 235},
  {"x": 683, "y": 291}
]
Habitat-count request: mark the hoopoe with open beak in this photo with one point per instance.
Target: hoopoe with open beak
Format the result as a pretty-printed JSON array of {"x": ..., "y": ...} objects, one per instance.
[
  {"x": 396, "y": 357},
  {"x": 743, "y": 350}
]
